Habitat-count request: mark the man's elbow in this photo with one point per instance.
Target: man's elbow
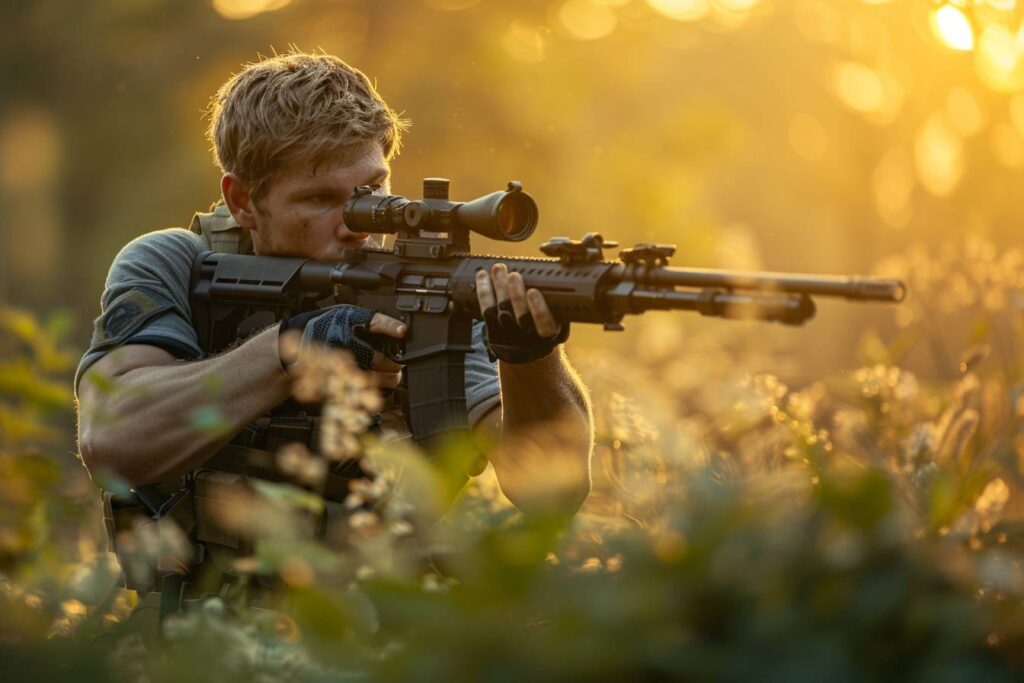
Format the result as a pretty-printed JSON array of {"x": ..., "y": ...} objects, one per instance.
[
  {"x": 548, "y": 486},
  {"x": 561, "y": 502},
  {"x": 89, "y": 454},
  {"x": 99, "y": 460},
  {"x": 105, "y": 459}
]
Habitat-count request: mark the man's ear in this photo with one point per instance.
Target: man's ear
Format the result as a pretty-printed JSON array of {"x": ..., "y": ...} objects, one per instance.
[{"x": 238, "y": 200}]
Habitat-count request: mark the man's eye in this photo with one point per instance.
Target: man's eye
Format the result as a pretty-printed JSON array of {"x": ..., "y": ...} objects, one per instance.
[{"x": 321, "y": 198}]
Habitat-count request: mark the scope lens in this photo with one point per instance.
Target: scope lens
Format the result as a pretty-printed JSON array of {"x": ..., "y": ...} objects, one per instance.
[{"x": 517, "y": 216}]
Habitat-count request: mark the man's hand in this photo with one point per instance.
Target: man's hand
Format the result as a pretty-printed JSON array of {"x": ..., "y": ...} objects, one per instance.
[
  {"x": 345, "y": 327},
  {"x": 520, "y": 326}
]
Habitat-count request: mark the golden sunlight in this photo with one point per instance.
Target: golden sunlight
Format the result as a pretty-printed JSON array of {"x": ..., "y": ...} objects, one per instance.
[
  {"x": 1000, "y": 59},
  {"x": 807, "y": 137},
  {"x": 586, "y": 19},
  {"x": 965, "y": 111},
  {"x": 876, "y": 94},
  {"x": 1007, "y": 145},
  {"x": 952, "y": 27},
  {"x": 938, "y": 153},
  {"x": 893, "y": 186},
  {"x": 681, "y": 10},
  {"x": 738, "y": 5},
  {"x": 858, "y": 86},
  {"x": 451, "y": 5},
  {"x": 524, "y": 43},
  {"x": 1017, "y": 112},
  {"x": 243, "y": 9}
]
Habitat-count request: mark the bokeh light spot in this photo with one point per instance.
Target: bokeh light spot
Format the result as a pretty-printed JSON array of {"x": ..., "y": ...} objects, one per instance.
[
  {"x": 876, "y": 94},
  {"x": 587, "y": 20},
  {"x": 451, "y": 5},
  {"x": 681, "y": 10},
  {"x": 952, "y": 27},
  {"x": 243, "y": 9},
  {"x": 524, "y": 43},
  {"x": 738, "y": 5},
  {"x": 999, "y": 59},
  {"x": 858, "y": 86},
  {"x": 30, "y": 150},
  {"x": 938, "y": 155}
]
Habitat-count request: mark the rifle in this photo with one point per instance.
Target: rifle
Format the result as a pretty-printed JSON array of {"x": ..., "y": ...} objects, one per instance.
[{"x": 428, "y": 280}]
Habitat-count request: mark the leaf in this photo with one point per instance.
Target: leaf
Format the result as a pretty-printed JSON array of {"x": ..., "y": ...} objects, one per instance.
[{"x": 288, "y": 496}]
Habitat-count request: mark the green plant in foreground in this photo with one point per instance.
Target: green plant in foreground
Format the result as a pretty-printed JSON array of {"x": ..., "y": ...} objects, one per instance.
[{"x": 866, "y": 525}]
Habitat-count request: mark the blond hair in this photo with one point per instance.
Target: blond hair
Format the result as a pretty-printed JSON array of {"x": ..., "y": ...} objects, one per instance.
[{"x": 296, "y": 108}]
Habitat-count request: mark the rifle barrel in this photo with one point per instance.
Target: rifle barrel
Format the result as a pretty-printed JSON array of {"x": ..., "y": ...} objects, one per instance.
[{"x": 860, "y": 288}]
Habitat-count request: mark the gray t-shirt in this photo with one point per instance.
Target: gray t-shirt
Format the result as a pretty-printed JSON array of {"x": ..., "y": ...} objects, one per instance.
[{"x": 146, "y": 301}]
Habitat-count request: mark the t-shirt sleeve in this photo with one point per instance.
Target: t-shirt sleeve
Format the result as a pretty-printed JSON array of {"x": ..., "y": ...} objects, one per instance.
[
  {"x": 482, "y": 389},
  {"x": 146, "y": 298}
]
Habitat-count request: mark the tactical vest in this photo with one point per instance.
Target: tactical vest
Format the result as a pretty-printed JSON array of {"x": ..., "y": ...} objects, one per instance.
[
  {"x": 187, "y": 503},
  {"x": 220, "y": 231}
]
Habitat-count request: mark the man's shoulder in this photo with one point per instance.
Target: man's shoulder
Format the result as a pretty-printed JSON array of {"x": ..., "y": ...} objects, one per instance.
[
  {"x": 168, "y": 252},
  {"x": 168, "y": 241}
]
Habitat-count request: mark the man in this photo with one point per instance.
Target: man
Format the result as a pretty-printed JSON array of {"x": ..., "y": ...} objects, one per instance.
[{"x": 293, "y": 136}]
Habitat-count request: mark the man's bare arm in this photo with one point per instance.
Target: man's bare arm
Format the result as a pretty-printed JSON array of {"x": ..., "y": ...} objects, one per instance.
[
  {"x": 546, "y": 428},
  {"x": 146, "y": 416},
  {"x": 542, "y": 460}
]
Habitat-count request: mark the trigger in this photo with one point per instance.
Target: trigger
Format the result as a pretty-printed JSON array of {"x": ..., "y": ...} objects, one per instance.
[{"x": 390, "y": 347}]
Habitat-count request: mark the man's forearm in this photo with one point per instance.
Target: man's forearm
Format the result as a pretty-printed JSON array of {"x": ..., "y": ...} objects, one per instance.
[
  {"x": 158, "y": 422},
  {"x": 547, "y": 435}
]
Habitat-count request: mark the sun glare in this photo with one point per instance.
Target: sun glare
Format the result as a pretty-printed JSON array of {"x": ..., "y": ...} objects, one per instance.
[
  {"x": 952, "y": 27},
  {"x": 243, "y": 9},
  {"x": 587, "y": 20},
  {"x": 681, "y": 10}
]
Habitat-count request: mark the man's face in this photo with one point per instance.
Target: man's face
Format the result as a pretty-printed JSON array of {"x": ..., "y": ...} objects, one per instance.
[{"x": 301, "y": 212}]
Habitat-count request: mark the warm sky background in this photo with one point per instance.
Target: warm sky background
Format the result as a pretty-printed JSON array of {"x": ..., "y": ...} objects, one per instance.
[{"x": 812, "y": 135}]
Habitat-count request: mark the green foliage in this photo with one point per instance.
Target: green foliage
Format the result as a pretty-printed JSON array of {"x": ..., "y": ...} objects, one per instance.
[{"x": 864, "y": 526}]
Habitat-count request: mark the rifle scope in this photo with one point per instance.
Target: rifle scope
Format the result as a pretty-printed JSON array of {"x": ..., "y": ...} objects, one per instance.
[{"x": 509, "y": 215}]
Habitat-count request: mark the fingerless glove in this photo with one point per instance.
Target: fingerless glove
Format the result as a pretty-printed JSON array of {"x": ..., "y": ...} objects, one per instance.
[
  {"x": 337, "y": 327},
  {"x": 516, "y": 341}
]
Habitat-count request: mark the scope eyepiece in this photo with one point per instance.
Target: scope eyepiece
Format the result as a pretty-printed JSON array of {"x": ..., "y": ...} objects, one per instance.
[{"x": 509, "y": 215}]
